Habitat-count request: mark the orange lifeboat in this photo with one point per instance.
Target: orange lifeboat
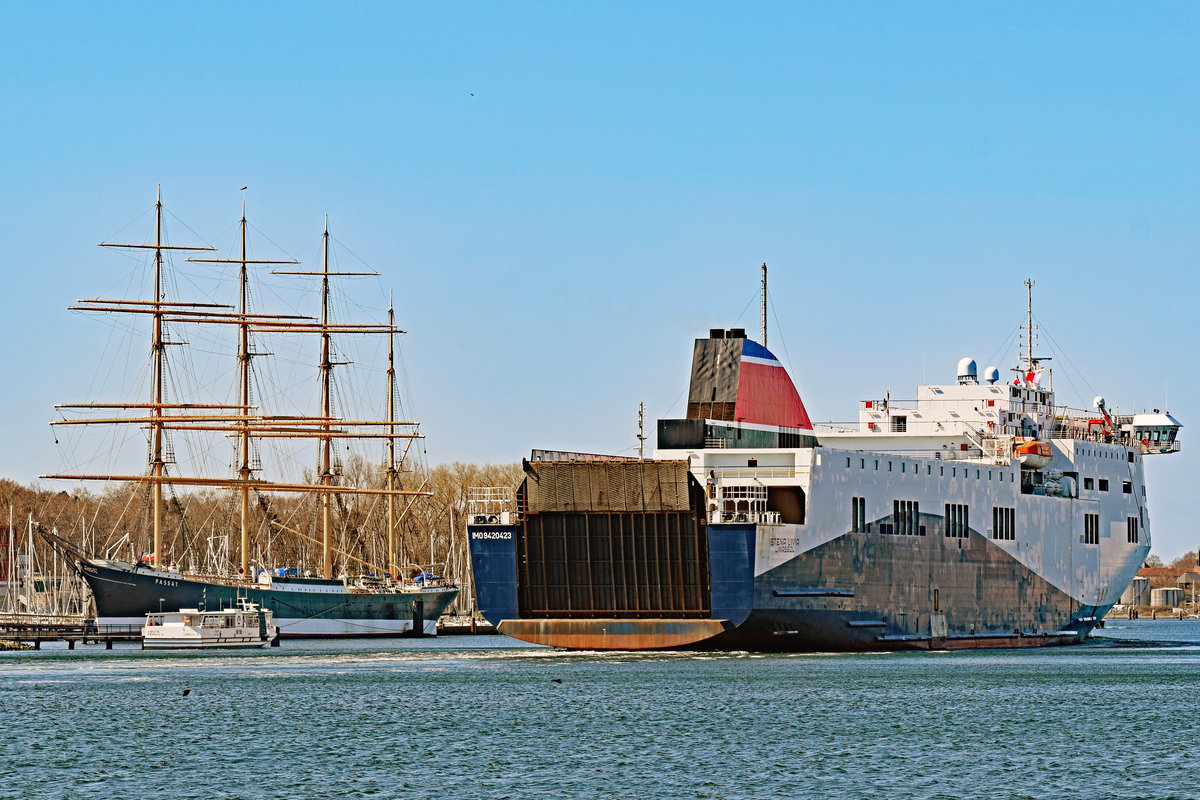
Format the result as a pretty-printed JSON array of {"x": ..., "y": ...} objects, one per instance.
[{"x": 1032, "y": 453}]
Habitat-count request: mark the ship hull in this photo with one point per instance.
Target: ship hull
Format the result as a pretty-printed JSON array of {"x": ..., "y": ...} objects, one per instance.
[
  {"x": 303, "y": 610},
  {"x": 605, "y": 579},
  {"x": 857, "y": 593}
]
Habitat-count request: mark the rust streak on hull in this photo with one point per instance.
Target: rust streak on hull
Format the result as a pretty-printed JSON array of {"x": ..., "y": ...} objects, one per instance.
[{"x": 613, "y": 634}]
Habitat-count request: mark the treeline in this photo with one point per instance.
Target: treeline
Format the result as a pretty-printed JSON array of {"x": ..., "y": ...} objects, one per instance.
[
  {"x": 201, "y": 529},
  {"x": 1185, "y": 561}
]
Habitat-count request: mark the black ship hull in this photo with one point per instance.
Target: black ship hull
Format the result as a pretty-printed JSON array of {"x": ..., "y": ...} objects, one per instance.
[{"x": 303, "y": 608}]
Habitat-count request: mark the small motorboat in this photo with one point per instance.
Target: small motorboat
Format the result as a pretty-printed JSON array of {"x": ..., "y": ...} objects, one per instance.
[{"x": 192, "y": 629}]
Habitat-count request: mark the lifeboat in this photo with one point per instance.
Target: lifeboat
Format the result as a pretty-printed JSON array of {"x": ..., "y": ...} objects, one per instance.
[{"x": 1032, "y": 453}]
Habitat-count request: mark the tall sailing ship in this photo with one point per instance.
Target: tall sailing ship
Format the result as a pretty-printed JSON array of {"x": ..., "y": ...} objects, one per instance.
[
  {"x": 982, "y": 514},
  {"x": 366, "y": 599}
]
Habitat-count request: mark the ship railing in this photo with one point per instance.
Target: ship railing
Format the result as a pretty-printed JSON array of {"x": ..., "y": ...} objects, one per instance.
[
  {"x": 991, "y": 448},
  {"x": 1156, "y": 448},
  {"x": 890, "y": 405},
  {"x": 973, "y": 454},
  {"x": 746, "y": 517},
  {"x": 491, "y": 505},
  {"x": 838, "y": 427},
  {"x": 1083, "y": 433},
  {"x": 726, "y": 473}
]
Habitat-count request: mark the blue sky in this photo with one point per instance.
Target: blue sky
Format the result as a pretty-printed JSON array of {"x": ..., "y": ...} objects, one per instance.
[{"x": 564, "y": 195}]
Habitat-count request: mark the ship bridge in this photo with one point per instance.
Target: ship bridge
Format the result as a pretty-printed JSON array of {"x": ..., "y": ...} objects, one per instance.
[{"x": 1153, "y": 433}]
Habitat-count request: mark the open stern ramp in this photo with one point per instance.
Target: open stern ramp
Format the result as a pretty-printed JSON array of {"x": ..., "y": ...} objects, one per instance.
[{"x": 608, "y": 555}]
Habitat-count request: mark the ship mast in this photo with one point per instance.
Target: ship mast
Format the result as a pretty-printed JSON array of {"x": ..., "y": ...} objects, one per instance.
[
  {"x": 326, "y": 410},
  {"x": 158, "y": 349},
  {"x": 158, "y": 356},
  {"x": 1029, "y": 329},
  {"x": 241, "y": 421},
  {"x": 245, "y": 470},
  {"x": 393, "y": 567}
]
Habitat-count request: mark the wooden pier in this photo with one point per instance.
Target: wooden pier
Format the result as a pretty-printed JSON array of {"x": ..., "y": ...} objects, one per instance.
[{"x": 34, "y": 631}]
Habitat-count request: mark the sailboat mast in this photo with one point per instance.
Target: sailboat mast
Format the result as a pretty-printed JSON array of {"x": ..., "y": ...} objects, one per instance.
[
  {"x": 326, "y": 412},
  {"x": 156, "y": 413}
]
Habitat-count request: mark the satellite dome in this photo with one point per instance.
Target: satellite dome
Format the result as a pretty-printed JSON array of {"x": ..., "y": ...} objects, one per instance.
[
  {"x": 1098, "y": 402},
  {"x": 966, "y": 370},
  {"x": 991, "y": 374}
]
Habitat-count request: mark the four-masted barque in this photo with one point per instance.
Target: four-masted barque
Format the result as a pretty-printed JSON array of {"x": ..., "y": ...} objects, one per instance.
[{"x": 378, "y": 600}]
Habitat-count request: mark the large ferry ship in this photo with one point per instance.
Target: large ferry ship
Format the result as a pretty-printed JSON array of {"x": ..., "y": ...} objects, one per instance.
[{"x": 982, "y": 514}]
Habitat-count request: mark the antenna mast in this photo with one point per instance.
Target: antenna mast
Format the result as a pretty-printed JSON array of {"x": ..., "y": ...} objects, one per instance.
[
  {"x": 641, "y": 432},
  {"x": 1029, "y": 326},
  {"x": 764, "y": 304}
]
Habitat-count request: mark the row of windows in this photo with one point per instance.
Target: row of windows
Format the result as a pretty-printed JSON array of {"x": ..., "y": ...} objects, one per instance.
[
  {"x": 1088, "y": 483},
  {"x": 1004, "y": 523},
  {"x": 905, "y": 521},
  {"x": 916, "y": 470}
]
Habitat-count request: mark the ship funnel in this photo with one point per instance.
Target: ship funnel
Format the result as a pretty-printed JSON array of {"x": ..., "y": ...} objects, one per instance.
[
  {"x": 966, "y": 372},
  {"x": 736, "y": 379}
]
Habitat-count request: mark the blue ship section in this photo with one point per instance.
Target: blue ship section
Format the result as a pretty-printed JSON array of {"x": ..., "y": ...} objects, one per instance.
[
  {"x": 731, "y": 571},
  {"x": 494, "y": 565}
]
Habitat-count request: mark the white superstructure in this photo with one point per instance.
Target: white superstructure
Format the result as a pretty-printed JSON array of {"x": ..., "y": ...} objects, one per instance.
[{"x": 193, "y": 629}]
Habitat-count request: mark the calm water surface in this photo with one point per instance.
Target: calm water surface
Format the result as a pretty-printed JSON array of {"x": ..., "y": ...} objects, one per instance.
[{"x": 485, "y": 717}]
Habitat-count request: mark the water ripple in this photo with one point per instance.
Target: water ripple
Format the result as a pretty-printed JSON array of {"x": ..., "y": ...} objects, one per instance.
[{"x": 485, "y": 718}]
